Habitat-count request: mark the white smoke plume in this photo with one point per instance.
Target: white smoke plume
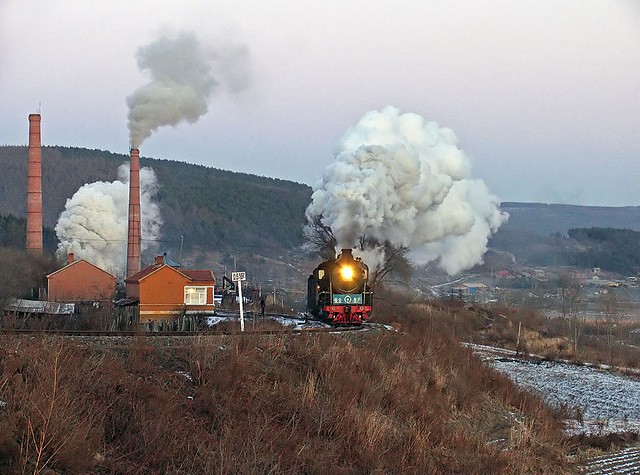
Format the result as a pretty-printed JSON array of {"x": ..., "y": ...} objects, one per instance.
[
  {"x": 94, "y": 223},
  {"x": 182, "y": 82},
  {"x": 401, "y": 179}
]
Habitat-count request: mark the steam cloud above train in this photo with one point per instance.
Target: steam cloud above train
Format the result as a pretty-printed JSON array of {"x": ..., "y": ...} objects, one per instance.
[{"x": 399, "y": 178}]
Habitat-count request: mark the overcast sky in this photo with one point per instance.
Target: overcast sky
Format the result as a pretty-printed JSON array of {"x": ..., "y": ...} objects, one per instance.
[{"x": 543, "y": 96}]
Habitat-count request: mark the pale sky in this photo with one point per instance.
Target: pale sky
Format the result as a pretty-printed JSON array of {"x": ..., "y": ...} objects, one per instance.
[{"x": 543, "y": 96}]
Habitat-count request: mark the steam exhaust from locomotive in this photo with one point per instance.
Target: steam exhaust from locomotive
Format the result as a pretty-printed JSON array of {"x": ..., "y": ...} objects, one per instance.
[{"x": 400, "y": 179}]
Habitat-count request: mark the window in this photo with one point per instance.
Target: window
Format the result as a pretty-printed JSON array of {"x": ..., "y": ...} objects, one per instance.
[{"x": 195, "y": 295}]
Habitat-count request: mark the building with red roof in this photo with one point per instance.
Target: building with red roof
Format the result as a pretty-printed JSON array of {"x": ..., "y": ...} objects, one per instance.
[
  {"x": 80, "y": 281},
  {"x": 164, "y": 292}
]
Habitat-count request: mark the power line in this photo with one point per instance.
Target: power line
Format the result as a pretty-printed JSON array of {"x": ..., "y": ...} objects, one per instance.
[{"x": 188, "y": 244}]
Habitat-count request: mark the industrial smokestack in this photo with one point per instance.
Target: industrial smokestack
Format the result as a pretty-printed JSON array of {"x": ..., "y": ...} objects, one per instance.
[
  {"x": 134, "y": 233},
  {"x": 34, "y": 188}
]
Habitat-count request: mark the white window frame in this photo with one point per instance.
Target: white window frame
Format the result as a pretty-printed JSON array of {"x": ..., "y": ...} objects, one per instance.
[{"x": 195, "y": 294}]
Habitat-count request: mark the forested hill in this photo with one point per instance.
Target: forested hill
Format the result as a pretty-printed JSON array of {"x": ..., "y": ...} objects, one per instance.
[
  {"x": 210, "y": 207},
  {"x": 216, "y": 209},
  {"x": 616, "y": 250},
  {"x": 544, "y": 219}
]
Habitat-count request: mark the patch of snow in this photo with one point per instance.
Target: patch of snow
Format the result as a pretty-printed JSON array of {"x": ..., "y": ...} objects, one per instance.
[
  {"x": 215, "y": 319},
  {"x": 291, "y": 322},
  {"x": 185, "y": 374},
  {"x": 608, "y": 402},
  {"x": 623, "y": 461}
]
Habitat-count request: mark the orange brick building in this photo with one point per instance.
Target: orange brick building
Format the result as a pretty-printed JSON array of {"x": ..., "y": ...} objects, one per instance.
[
  {"x": 80, "y": 281},
  {"x": 165, "y": 292}
]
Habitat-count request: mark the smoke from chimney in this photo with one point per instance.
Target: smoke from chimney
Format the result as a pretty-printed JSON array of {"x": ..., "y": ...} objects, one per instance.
[
  {"x": 182, "y": 82},
  {"x": 93, "y": 224},
  {"x": 34, "y": 188},
  {"x": 134, "y": 233},
  {"x": 401, "y": 179}
]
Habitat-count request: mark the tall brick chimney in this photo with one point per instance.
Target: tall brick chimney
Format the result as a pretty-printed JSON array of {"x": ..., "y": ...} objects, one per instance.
[
  {"x": 34, "y": 188},
  {"x": 134, "y": 233}
]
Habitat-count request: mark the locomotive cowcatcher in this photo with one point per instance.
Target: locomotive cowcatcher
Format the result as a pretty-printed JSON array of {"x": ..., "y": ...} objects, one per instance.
[{"x": 337, "y": 290}]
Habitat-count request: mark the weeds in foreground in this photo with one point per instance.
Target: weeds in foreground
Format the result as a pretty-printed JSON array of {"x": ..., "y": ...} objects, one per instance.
[{"x": 412, "y": 401}]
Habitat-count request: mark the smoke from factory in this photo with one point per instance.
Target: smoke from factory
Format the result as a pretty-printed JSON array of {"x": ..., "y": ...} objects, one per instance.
[
  {"x": 182, "y": 81},
  {"x": 399, "y": 178},
  {"x": 93, "y": 224}
]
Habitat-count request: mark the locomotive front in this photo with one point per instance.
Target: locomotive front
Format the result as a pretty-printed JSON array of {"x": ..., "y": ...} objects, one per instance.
[{"x": 338, "y": 291}]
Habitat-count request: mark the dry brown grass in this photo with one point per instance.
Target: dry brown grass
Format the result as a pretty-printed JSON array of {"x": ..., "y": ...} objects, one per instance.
[
  {"x": 412, "y": 401},
  {"x": 550, "y": 338}
]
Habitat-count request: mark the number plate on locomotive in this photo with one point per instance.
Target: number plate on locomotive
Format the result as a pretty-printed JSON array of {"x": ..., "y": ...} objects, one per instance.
[{"x": 347, "y": 299}]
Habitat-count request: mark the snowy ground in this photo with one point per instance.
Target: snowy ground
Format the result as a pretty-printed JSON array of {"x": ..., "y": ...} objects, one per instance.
[
  {"x": 291, "y": 322},
  {"x": 623, "y": 461},
  {"x": 608, "y": 402}
]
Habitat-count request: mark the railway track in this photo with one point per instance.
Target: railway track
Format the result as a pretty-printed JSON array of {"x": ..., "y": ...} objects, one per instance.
[
  {"x": 156, "y": 334},
  {"x": 209, "y": 331}
]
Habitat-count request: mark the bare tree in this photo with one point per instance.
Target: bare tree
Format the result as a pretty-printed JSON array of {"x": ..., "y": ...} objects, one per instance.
[
  {"x": 572, "y": 307},
  {"x": 395, "y": 262},
  {"x": 568, "y": 286},
  {"x": 322, "y": 241},
  {"x": 20, "y": 275},
  {"x": 319, "y": 238},
  {"x": 610, "y": 308}
]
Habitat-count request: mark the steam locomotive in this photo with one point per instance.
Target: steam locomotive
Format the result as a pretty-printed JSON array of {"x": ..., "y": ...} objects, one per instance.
[{"x": 337, "y": 290}]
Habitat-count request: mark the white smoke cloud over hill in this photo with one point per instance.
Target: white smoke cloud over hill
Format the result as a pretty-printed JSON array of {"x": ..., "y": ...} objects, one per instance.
[
  {"x": 94, "y": 222},
  {"x": 399, "y": 178}
]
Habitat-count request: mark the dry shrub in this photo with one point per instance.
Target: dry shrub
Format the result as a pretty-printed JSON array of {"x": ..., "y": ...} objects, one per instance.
[
  {"x": 533, "y": 342},
  {"x": 38, "y": 386},
  {"x": 412, "y": 401}
]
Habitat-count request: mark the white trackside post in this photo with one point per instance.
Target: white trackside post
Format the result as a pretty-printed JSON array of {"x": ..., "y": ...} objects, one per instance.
[
  {"x": 241, "y": 312},
  {"x": 239, "y": 277}
]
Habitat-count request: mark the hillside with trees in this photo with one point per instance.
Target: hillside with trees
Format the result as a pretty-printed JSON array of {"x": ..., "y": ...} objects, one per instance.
[
  {"x": 210, "y": 208},
  {"x": 616, "y": 250},
  {"x": 545, "y": 219},
  {"x": 539, "y": 234},
  {"x": 13, "y": 234}
]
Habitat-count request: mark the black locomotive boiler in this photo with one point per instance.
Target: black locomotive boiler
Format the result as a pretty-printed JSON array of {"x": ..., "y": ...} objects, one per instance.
[{"x": 338, "y": 291}]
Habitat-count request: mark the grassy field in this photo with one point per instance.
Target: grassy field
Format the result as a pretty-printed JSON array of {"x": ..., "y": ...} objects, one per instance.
[{"x": 407, "y": 401}]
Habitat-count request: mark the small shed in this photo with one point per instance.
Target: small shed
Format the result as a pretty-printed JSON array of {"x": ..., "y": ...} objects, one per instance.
[
  {"x": 165, "y": 292},
  {"x": 80, "y": 281},
  {"x": 470, "y": 288}
]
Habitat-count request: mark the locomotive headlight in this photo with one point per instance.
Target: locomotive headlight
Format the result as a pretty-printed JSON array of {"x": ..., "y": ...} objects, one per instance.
[{"x": 347, "y": 273}]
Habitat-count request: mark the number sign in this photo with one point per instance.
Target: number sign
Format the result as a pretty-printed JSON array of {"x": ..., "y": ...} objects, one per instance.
[{"x": 347, "y": 299}]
